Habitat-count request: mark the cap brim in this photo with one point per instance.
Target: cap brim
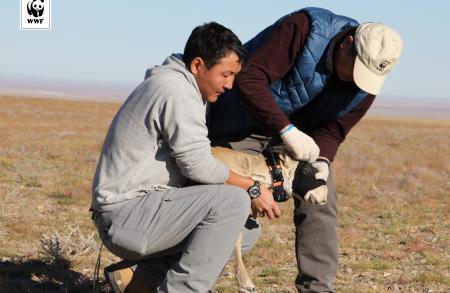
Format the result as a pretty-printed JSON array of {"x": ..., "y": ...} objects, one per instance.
[{"x": 366, "y": 79}]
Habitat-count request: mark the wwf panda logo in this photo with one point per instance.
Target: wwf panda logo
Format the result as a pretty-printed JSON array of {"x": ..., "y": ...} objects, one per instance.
[{"x": 35, "y": 8}]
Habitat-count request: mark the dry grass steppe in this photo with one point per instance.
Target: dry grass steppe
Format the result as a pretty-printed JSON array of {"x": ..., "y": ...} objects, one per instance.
[{"x": 392, "y": 178}]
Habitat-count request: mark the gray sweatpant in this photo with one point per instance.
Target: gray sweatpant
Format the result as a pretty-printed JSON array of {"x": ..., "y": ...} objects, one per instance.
[
  {"x": 180, "y": 239},
  {"x": 316, "y": 235}
]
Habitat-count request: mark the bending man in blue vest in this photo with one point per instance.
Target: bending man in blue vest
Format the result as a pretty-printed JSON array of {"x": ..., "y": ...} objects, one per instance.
[{"x": 309, "y": 79}]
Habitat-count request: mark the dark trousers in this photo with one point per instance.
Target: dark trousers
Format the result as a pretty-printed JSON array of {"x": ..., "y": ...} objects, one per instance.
[{"x": 316, "y": 243}]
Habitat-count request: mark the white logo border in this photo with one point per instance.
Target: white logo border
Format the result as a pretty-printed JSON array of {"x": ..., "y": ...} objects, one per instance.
[{"x": 49, "y": 28}]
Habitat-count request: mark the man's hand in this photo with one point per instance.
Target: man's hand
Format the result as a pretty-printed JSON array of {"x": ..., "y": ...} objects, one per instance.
[
  {"x": 311, "y": 181},
  {"x": 323, "y": 168},
  {"x": 265, "y": 205},
  {"x": 301, "y": 145},
  {"x": 318, "y": 195}
]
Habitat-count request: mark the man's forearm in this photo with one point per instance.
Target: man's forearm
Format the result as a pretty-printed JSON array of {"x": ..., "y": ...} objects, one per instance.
[{"x": 238, "y": 180}]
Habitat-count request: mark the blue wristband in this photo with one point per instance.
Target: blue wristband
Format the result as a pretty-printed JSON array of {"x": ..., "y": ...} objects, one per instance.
[{"x": 287, "y": 130}]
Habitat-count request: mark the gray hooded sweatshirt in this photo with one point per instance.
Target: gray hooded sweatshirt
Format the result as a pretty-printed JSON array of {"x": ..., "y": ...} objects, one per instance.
[{"x": 156, "y": 140}]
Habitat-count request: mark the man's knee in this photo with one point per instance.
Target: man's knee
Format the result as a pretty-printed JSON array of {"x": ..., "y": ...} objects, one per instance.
[{"x": 234, "y": 199}]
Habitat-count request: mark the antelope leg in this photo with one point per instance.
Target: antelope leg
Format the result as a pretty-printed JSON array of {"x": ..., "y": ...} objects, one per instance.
[{"x": 245, "y": 284}]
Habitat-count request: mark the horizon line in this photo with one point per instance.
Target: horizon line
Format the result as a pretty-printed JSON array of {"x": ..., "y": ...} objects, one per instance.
[{"x": 12, "y": 83}]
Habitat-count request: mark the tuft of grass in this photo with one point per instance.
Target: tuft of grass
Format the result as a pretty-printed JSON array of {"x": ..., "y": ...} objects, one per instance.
[
  {"x": 65, "y": 246},
  {"x": 6, "y": 254},
  {"x": 432, "y": 278},
  {"x": 372, "y": 264},
  {"x": 33, "y": 183},
  {"x": 391, "y": 222},
  {"x": 63, "y": 198},
  {"x": 7, "y": 163},
  {"x": 272, "y": 272},
  {"x": 266, "y": 243},
  {"x": 52, "y": 252},
  {"x": 435, "y": 259}
]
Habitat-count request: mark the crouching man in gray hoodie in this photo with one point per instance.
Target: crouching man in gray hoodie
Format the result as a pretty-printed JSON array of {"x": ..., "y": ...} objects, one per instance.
[{"x": 174, "y": 238}]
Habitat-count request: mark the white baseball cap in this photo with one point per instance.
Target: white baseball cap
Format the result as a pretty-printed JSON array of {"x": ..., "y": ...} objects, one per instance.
[{"x": 378, "y": 49}]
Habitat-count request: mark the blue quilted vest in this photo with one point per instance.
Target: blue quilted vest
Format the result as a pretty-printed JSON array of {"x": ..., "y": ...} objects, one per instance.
[{"x": 309, "y": 78}]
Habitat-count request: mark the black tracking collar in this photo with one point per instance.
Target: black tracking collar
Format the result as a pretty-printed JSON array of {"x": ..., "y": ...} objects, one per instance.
[{"x": 273, "y": 162}]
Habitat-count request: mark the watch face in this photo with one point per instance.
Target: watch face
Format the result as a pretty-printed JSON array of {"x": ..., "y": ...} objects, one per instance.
[{"x": 254, "y": 191}]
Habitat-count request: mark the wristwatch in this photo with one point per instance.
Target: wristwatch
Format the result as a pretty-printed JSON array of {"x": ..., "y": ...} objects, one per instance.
[{"x": 254, "y": 191}]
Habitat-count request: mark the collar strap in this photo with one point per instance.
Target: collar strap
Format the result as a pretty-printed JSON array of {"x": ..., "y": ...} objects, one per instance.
[{"x": 273, "y": 162}]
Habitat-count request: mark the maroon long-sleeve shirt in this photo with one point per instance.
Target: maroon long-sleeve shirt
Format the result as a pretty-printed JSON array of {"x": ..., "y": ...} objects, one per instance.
[{"x": 271, "y": 62}]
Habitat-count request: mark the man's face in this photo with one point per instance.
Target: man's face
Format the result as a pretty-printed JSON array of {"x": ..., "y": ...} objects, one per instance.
[{"x": 214, "y": 81}]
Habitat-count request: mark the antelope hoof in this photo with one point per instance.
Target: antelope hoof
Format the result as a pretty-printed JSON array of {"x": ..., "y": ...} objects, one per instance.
[{"x": 247, "y": 290}]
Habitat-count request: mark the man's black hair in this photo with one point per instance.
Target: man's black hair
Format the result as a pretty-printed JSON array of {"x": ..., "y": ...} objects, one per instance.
[{"x": 211, "y": 42}]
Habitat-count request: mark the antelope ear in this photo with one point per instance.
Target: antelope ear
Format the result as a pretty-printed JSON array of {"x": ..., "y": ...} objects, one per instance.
[
  {"x": 288, "y": 166},
  {"x": 286, "y": 159}
]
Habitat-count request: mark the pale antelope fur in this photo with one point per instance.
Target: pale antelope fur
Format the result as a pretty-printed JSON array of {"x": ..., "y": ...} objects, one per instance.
[{"x": 255, "y": 167}]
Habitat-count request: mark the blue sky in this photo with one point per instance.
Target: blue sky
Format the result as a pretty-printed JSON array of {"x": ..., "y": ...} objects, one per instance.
[{"x": 115, "y": 41}]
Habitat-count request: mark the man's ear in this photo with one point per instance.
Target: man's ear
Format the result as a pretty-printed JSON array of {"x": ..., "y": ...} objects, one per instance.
[
  {"x": 346, "y": 45},
  {"x": 196, "y": 64},
  {"x": 350, "y": 39},
  {"x": 346, "y": 42},
  {"x": 349, "y": 42}
]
